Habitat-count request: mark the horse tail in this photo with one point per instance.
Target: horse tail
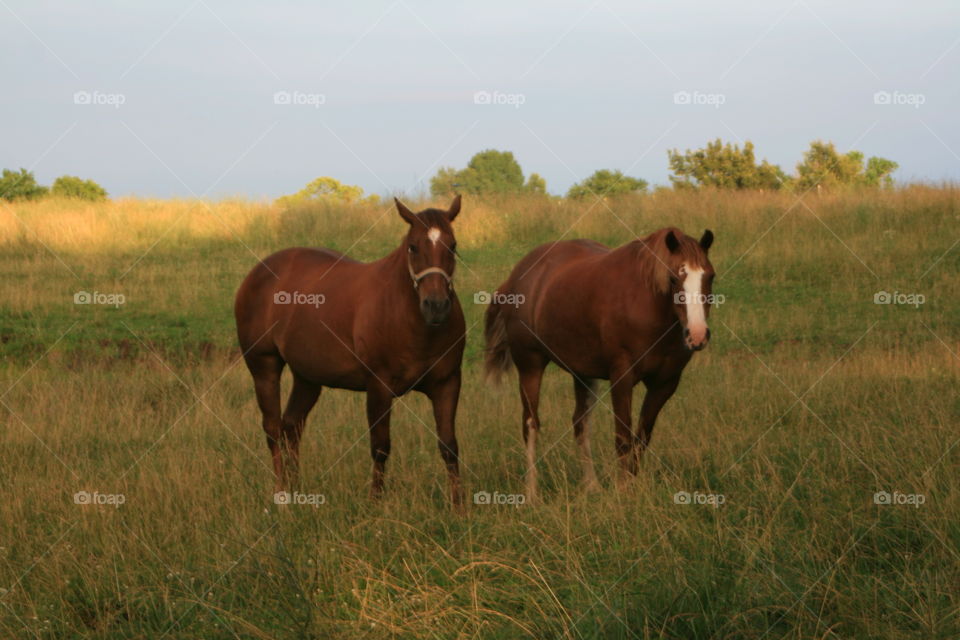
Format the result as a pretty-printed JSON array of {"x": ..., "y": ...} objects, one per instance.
[{"x": 498, "y": 359}]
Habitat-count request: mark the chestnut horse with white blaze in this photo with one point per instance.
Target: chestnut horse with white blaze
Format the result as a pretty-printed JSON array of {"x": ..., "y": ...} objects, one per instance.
[
  {"x": 627, "y": 315},
  {"x": 385, "y": 327}
]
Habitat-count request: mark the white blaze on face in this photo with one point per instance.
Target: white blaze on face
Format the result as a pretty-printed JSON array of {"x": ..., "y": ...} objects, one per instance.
[
  {"x": 694, "y": 299},
  {"x": 434, "y": 235}
]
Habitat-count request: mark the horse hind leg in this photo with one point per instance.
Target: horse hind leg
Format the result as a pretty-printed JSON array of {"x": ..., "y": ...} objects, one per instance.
[
  {"x": 530, "y": 378},
  {"x": 303, "y": 397},
  {"x": 266, "y": 371},
  {"x": 585, "y": 392}
]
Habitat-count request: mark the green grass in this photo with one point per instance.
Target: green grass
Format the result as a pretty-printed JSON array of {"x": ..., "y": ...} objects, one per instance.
[{"x": 149, "y": 401}]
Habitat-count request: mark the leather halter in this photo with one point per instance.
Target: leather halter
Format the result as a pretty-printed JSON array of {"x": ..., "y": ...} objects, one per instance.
[{"x": 417, "y": 277}]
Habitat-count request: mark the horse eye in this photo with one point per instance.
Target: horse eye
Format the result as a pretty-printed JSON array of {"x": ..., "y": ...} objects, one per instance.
[
  {"x": 453, "y": 247},
  {"x": 412, "y": 248}
]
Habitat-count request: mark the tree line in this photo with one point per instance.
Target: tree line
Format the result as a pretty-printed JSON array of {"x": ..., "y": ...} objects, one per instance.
[
  {"x": 23, "y": 185},
  {"x": 718, "y": 165}
]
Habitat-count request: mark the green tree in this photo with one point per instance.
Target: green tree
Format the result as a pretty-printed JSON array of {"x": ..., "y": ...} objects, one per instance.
[
  {"x": 724, "y": 166},
  {"x": 445, "y": 182},
  {"x": 74, "y": 187},
  {"x": 327, "y": 189},
  {"x": 878, "y": 172},
  {"x": 20, "y": 185},
  {"x": 824, "y": 166},
  {"x": 488, "y": 172},
  {"x": 495, "y": 172},
  {"x": 535, "y": 184},
  {"x": 605, "y": 182}
]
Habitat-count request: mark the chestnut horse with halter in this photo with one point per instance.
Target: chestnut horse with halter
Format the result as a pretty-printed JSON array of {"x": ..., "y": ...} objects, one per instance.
[
  {"x": 385, "y": 327},
  {"x": 628, "y": 315}
]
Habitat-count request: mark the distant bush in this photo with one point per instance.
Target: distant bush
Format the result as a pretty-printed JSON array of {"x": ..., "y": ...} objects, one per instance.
[
  {"x": 607, "y": 183},
  {"x": 824, "y": 166},
  {"x": 74, "y": 187},
  {"x": 724, "y": 166},
  {"x": 329, "y": 190},
  {"x": 488, "y": 172},
  {"x": 727, "y": 166},
  {"x": 20, "y": 185}
]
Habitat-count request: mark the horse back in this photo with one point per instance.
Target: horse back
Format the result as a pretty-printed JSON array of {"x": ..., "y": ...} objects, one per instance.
[
  {"x": 578, "y": 304},
  {"x": 280, "y": 284}
]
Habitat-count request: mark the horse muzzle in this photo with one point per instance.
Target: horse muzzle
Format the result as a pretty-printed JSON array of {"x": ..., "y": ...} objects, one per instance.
[
  {"x": 435, "y": 310},
  {"x": 696, "y": 340}
]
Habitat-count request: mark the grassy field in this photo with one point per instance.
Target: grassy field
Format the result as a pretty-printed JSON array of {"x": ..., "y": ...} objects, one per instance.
[{"x": 809, "y": 400}]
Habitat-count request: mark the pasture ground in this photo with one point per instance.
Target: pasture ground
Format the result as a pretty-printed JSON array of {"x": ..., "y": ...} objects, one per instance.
[{"x": 809, "y": 400}]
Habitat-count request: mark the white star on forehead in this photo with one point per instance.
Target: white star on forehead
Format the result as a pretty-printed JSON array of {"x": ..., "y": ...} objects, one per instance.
[{"x": 434, "y": 234}]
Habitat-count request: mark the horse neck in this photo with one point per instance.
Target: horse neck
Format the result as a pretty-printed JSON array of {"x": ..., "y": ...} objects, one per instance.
[
  {"x": 639, "y": 267},
  {"x": 395, "y": 275}
]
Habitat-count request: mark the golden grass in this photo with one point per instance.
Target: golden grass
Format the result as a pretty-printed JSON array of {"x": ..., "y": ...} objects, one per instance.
[{"x": 798, "y": 550}]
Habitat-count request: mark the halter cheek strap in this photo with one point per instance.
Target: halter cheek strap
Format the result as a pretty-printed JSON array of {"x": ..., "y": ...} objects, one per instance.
[{"x": 418, "y": 276}]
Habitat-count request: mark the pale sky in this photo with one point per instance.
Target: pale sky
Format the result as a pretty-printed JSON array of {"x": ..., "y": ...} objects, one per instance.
[{"x": 180, "y": 98}]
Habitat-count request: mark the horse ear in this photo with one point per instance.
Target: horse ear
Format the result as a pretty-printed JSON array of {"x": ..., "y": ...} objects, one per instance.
[
  {"x": 454, "y": 208},
  {"x": 672, "y": 243},
  {"x": 405, "y": 213},
  {"x": 706, "y": 240}
]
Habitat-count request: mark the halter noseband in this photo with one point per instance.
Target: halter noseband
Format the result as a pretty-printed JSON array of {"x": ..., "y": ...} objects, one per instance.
[{"x": 417, "y": 277}]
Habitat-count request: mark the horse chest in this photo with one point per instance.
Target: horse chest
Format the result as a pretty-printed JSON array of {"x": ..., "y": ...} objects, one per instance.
[{"x": 405, "y": 367}]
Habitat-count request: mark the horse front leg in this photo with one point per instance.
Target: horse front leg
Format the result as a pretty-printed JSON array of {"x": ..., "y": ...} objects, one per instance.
[
  {"x": 445, "y": 396},
  {"x": 379, "y": 403},
  {"x": 658, "y": 392},
  {"x": 621, "y": 393}
]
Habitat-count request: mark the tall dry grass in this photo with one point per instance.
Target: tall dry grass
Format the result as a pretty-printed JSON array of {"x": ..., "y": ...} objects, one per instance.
[{"x": 809, "y": 400}]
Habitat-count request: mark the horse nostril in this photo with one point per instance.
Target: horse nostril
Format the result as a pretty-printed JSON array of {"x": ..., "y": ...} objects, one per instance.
[
  {"x": 686, "y": 332},
  {"x": 708, "y": 334}
]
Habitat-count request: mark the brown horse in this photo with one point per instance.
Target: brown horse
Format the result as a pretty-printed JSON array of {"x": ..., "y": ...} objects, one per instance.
[
  {"x": 628, "y": 315},
  {"x": 385, "y": 327}
]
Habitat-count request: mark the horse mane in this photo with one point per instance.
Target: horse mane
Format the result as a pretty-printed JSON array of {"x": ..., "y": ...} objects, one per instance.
[{"x": 654, "y": 258}]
